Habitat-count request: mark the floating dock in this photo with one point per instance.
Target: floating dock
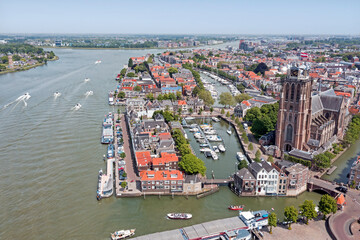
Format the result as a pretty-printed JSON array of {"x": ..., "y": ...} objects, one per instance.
[
  {"x": 331, "y": 170},
  {"x": 198, "y": 231}
]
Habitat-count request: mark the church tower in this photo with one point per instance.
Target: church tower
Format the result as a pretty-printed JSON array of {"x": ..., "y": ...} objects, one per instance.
[{"x": 294, "y": 117}]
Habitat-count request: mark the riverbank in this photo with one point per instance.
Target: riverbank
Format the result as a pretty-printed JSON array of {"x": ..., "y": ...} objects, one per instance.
[
  {"x": 122, "y": 48},
  {"x": 28, "y": 67}
]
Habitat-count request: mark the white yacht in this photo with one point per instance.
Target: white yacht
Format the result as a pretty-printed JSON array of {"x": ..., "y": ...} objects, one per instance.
[
  {"x": 221, "y": 148},
  {"x": 77, "y": 106},
  {"x": 215, "y": 119},
  {"x": 98, "y": 61},
  {"x": 214, "y": 138},
  {"x": 88, "y": 93},
  {"x": 86, "y": 79},
  {"x": 229, "y": 131},
  {"x": 205, "y": 149},
  {"x": 216, "y": 149},
  {"x": 240, "y": 156},
  {"x": 214, "y": 155}
]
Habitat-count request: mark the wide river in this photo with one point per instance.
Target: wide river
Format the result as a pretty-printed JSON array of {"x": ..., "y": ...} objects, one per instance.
[{"x": 50, "y": 156}]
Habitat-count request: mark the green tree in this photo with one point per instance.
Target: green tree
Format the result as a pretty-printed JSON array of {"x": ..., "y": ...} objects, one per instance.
[
  {"x": 270, "y": 159},
  {"x": 179, "y": 111},
  {"x": 262, "y": 125},
  {"x": 251, "y": 147},
  {"x": 252, "y": 114},
  {"x": 122, "y": 155},
  {"x": 150, "y": 96},
  {"x": 327, "y": 205},
  {"x": 206, "y": 97},
  {"x": 291, "y": 215},
  {"x": 211, "y": 109},
  {"x": 192, "y": 165},
  {"x": 307, "y": 210},
  {"x": 131, "y": 74},
  {"x": 130, "y": 63},
  {"x": 5, "y": 59},
  {"x": 227, "y": 99},
  {"x": 137, "y": 88},
  {"x": 241, "y": 97},
  {"x": 222, "y": 111},
  {"x": 121, "y": 94},
  {"x": 196, "y": 91},
  {"x": 272, "y": 221},
  {"x": 321, "y": 161},
  {"x": 124, "y": 184},
  {"x": 178, "y": 95},
  {"x": 123, "y": 72},
  {"x": 16, "y": 57},
  {"x": 184, "y": 149},
  {"x": 242, "y": 164},
  {"x": 172, "y": 71},
  {"x": 258, "y": 154},
  {"x": 246, "y": 139},
  {"x": 191, "y": 111},
  {"x": 227, "y": 114}
]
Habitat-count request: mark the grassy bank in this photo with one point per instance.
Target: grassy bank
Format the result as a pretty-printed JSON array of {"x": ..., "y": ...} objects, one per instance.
[{"x": 28, "y": 67}]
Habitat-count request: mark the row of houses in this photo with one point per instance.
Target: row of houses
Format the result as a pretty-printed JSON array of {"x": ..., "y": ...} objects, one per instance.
[{"x": 268, "y": 179}]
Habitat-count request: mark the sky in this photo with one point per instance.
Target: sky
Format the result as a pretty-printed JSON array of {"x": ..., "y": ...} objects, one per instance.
[{"x": 181, "y": 16}]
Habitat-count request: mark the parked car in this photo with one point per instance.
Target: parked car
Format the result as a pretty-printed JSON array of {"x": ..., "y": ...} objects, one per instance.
[{"x": 342, "y": 189}]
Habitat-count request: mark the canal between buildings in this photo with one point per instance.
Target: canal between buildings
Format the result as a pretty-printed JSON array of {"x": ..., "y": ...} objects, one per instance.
[{"x": 50, "y": 157}]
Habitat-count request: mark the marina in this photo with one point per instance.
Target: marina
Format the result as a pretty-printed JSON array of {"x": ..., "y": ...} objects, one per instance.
[{"x": 62, "y": 161}]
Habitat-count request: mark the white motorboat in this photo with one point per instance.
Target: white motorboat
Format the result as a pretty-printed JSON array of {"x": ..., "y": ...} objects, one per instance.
[
  {"x": 221, "y": 148},
  {"x": 121, "y": 234},
  {"x": 77, "y": 106},
  {"x": 194, "y": 130},
  {"x": 189, "y": 118},
  {"x": 87, "y": 79},
  {"x": 98, "y": 61},
  {"x": 210, "y": 132},
  {"x": 240, "y": 156},
  {"x": 229, "y": 131},
  {"x": 214, "y": 138},
  {"x": 182, "y": 216},
  {"x": 198, "y": 136},
  {"x": 205, "y": 149},
  {"x": 216, "y": 149},
  {"x": 215, "y": 119},
  {"x": 214, "y": 155},
  {"x": 88, "y": 93},
  {"x": 57, "y": 94}
]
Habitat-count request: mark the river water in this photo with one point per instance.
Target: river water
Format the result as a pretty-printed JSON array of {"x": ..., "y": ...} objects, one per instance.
[{"x": 50, "y": 157}]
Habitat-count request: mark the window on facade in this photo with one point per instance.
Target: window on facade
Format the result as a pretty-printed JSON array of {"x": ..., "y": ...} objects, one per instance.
[
  {"x": 167, "y": 187},
  {"x": 173, "y": 187},
  {"x": 286, "y": 92},
  {"x": 290, "y": 117},
  {"x": 144, "y": 187},
  {"x": 298, "y": 93},
  {"x": 289, "y": 133},
  {"x": 173, "y": 182},
  {"x": 166, "y": 182},
  {"x": 292, "y": 92}
]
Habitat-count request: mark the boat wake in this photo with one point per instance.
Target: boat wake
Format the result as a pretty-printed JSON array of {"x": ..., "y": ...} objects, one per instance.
[
  {"x": 89, "y": 93},
  {"x": 22, "y": 98}
]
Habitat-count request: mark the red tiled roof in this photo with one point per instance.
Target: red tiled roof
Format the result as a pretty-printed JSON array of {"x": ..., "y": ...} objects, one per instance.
[
  {"x": 150, "y": 175},
  {"x": 143, "y": 158},
  {"x": 165, "y": 158},
  {"x": 181, "y": 102}
]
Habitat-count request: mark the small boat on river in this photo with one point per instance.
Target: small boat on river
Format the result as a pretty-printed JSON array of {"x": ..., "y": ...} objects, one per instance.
[
  {"x": 181, "y": 216},
  {"x": 236, "y": 208},
  {"x": 221, "y": 148},
  {"x": 121, "y": 234}
]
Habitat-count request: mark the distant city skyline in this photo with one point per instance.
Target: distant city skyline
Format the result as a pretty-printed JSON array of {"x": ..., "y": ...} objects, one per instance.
[{"x": 181, "y": 17}]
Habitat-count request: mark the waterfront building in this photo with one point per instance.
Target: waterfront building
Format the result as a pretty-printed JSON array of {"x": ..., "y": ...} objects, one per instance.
[
  {"x": 266, "y": 178},
  {"x": 167, "y": 181},
  {"x": 167, "y": 161},
  {"x": 192, "y": 184},
  {"x": 244, "y": 182},
  {"x": 307, "y": 122}
]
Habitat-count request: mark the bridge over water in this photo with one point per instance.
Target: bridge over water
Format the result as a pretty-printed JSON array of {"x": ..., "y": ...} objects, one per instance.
[{"x": 316, "y": 184}]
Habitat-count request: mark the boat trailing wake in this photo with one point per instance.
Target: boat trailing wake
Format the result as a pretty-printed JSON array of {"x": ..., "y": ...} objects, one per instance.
[
  {"x": 22, "y": 98},
  {"x": 76, "y": 107},
  {"x": 89, "y": 93}
]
